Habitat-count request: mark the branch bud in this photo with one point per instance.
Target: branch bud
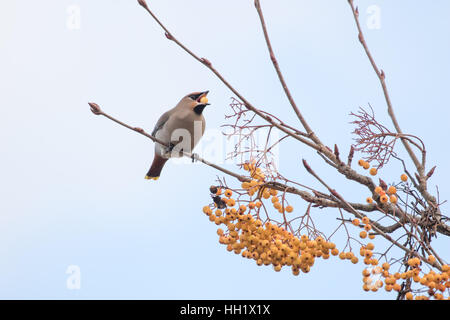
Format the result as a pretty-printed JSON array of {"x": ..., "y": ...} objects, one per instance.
[
  {"x": 383, "y": 184},
  {"x": 95, "y": 108},
  {"x": 430, "y": 173},
  {"x": 350, "y": 155},
  {"x": 336, "y": 152},
  {"x": 272, "y": 57},
  {"x": 361, "y": 37},
  {"x": 206, "y": 61},
  {"x": 143, "y": 4},
  {"x": 306, "y": 165},
  {"x": 168, "y": 36}
]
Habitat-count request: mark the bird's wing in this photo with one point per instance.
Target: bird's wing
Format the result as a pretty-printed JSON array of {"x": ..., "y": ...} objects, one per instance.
[{"x": 162, "y": 120}]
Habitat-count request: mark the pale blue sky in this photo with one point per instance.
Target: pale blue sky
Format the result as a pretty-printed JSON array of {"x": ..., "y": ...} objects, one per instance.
[{"x": 72, "y": 184}]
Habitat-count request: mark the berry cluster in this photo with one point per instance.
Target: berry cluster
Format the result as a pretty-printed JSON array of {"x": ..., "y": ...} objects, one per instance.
[
  {"x": 266, "y": 243},
  {"x": 434, "y": 284}
]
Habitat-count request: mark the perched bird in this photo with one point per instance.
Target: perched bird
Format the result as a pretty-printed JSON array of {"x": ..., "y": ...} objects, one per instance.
[{"x": 180, "y": 128}]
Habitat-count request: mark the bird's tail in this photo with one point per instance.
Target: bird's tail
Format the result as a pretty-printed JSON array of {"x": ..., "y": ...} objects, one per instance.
[{"x": 156, "y": 167}]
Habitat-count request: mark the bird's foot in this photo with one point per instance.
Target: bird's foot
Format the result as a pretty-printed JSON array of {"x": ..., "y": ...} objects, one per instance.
[
  {"x": 167, "y": 151},
  {"x": 170, "y": 147},
  {"x": 195, "y": 157}
]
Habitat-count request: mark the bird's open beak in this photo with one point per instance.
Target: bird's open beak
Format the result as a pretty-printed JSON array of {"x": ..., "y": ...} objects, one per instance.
[{"x": 202, "y": 100}]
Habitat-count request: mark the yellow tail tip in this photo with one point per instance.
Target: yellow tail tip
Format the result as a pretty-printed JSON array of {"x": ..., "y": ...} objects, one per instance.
[{"x": 151, "y": 178}]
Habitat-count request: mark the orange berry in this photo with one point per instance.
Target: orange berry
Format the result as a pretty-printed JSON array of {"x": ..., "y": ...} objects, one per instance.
[
  {"x": 330, "y": 245},
  {"x": 335, "y": 252},
  {"x": 365, "y": 220},
  {"x": 277, "y": 205},
  {"x": 370, "y": 246},
  {"x": 379, "y": 283},
  {"x": 361, "y": 162},
  {"x": 363, "y": 234},
  {"x": 367, "y": 280},
  {"x": 393, "y": 199},
  {"x": 204, "y": 100},
  {"x": 409, "y": 296},
  {"x": 369, "y": 200},
  {"x": 275, "y": 199},
  {"x": 228, "y": 193},
  {"x": 392, "y": 190},
  {"x": 431, "y": 259},
  {"x": 404, "y": 177},
  {"x": 366, "y": 165},
  {"x": 289, "y": 209},
  {"x": 372, "y": 236},
  {"x": 245, "y": 185},
  {"x": 355, "y": 222},
  {"x": 258, "y": 204},
  {"x": 378, "y": 189},
  {"x": 367, "y": 227},
  {"x": 384, "y": 198},
  {"x": 373, "y": 171},
  {"x": 207, "y": 210},
  {"x": 231, "y": 202},
  {"x": 252, "y": 205}
]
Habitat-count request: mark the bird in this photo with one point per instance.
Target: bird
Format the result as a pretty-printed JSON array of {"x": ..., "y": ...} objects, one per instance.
[{"x": 180, "y": 128}]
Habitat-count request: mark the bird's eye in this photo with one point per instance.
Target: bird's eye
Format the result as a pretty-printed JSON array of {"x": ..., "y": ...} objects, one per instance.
[{"x": 195, "y": 96}]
